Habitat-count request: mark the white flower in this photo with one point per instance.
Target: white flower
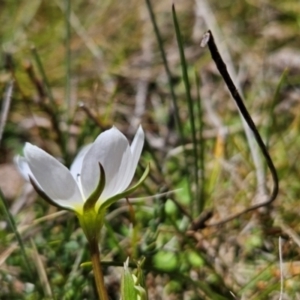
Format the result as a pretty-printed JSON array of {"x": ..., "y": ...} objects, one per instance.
[{"x": 70, "y": 189}]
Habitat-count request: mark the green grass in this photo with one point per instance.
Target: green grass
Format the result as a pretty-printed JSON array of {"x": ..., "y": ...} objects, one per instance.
[{"x": 103, "y": 58}]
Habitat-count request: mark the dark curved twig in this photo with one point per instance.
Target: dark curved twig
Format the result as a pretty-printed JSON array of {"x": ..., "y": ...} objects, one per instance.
[{"x": 208, "y": 39}]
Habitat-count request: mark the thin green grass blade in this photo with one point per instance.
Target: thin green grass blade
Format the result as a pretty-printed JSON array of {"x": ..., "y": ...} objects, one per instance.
[
  {"x": 210, "y": 293},
  {"x": 264, "y": 275},
  {"x": 44, "y": 77},
  {"x": 173, "y": 95},
  {"x": 272, "y": 120},
  {"x": 165, "y": 62},
  {"x": 68, "y": 110},
  {"x": 55, "y": 111},
  {"x": 201, "y": 150},
  {"x": 68, "y": 57},
  {"x": 13, "y": 227},
  {"x": 5, "y": 107},
  {"x": 271, "y": 126},
  {"x": 186, "y": 81},
  {"x": 268, "y": 291}
]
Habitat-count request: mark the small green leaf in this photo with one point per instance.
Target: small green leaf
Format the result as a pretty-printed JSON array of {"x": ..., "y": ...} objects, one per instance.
[
  {"x": 128, "y": 291},
  {"x": 166, "y": 261},
  {"x": 194, "y": 259}
]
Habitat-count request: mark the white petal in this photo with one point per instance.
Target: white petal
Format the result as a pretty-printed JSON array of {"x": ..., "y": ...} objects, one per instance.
[
  {"x": 54, "y": 178},
  {"x": 136, "y": 150},
  {"x": 110, "y": 148},
  {"x": 77, "y": 163},
  {"x": 115, "y": 184},
  {"x": 23, "y": 167},
  {"x": 137, "y": 145}
]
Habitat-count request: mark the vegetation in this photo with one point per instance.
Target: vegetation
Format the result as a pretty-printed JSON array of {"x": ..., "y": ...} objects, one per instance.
[{"x": 77, "y": 68}]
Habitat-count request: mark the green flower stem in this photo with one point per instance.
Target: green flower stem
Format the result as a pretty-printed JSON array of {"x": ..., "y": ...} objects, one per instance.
[{"x": 96, "y": 263}]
